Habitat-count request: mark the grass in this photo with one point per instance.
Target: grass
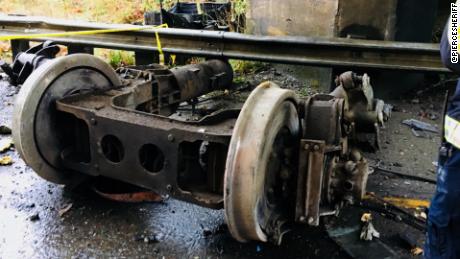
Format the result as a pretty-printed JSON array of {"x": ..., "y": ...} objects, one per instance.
[
  {"x": 105, "y": 11},
  {"x": 246, "y": 67},
  {"x": 116, "y": 58}
]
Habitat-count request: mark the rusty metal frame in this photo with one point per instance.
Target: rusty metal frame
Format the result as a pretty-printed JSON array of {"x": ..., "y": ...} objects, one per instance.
[
  {"x": 103, "y": 118},
  {"x": 330, "y": 52}
]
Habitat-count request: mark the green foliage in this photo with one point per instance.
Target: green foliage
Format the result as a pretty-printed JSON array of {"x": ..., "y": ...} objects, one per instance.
[
  {"x": 116, "y": 58},
  {"x": 246, "y": 67},
  {"x": 239, "y": 7}
]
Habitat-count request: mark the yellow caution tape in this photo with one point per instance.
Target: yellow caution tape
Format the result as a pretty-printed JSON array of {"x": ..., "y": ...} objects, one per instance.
[
  {"x": 402, "y": 202},
  {"x": 91, "y": 32},
  {"x": 407, "y": 202}
]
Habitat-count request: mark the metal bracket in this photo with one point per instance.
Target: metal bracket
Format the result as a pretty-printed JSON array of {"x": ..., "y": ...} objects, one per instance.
[{"x": 311, "y": 167}]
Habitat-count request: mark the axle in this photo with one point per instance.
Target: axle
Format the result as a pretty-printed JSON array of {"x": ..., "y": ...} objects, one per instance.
[{"x": 278, "y": 159}]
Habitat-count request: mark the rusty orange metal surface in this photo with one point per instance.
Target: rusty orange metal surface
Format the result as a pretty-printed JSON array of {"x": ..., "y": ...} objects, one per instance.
[{"x": 134, "y": 197}]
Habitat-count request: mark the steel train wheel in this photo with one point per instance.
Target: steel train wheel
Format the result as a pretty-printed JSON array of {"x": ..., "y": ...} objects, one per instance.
[
  {"x": 260, "y": 170},
  {"x": 35, "y": 119}
]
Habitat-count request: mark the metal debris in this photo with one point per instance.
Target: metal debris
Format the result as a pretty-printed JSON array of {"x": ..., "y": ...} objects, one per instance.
[
  {"x": 208, "y": 16},
  {"x": 420, "y": 125},
  {"x": 26, "y": 62},
  {"x": 129, "y": 196}
]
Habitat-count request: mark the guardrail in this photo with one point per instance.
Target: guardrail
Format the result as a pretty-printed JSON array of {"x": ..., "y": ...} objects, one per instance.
[{"x": 328, "y": 52}]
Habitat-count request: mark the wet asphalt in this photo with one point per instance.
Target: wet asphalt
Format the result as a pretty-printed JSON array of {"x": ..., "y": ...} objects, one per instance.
[{"x": 31, "y": 227}]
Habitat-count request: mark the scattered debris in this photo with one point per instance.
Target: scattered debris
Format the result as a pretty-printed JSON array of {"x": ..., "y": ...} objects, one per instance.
[
  {"x": 407, "y": 176},
  {"x": 6, "y": 144},
  {"x": 368, "y": 232},
  {"x": 148, "y": 239},
  {"x": 387, "y": 110},
  {"x": 65, "y": 209},
  {"x": 434, "y": 116},
  {"x": 4, "y": 130},
  {"x": 420, "y": 212},
  {"x": 408, "y": 239},
  {"x": 418, "y": 135},
  {"x": 420, "y": 125},
  {"x": 410, "y": 242},
  {"x": 190, "y": 15},
  {"x": 396, "y": 164},
  {"x": 34, "y": 217},
  {"x": 28, "y": 61},
  {"x": 346, "y": 233},
  {"x": 416, "y": 251},
  {"x": 136, "y": 197},
  {"x": 389, "y": 210},
  {"x": 124, "y": 192},
  {"x": 207, "y": 232},
  {"x": 6, "y": 160}
]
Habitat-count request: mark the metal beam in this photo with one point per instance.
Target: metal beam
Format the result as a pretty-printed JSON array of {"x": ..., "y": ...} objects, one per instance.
[{"x": 328, "y": 52}]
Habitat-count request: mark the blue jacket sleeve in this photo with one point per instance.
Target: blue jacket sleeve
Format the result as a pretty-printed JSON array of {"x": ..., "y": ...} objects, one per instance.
[{"x": 445, "y": 52}]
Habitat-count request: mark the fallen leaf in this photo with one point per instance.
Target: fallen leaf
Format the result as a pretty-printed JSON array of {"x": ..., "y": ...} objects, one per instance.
[
  {"x": 65, "y": 209},
  {"x": 366, "y": 217},
  {"x": 6, "y": 160},
  {"x": 417, "y": 251},
  {"x": 5, "y": 144},
  {"x": 423, "y": 215}
]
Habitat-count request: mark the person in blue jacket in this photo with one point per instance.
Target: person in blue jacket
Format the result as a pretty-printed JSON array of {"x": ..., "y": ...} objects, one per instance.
[{"x": 443, "y": 226}]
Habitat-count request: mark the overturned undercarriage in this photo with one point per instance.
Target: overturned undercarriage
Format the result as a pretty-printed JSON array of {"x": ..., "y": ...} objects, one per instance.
[{"x": 272, "y": 161}]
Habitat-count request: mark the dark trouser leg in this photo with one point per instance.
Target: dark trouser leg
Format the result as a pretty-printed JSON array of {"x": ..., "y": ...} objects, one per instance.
[{"x": 443, "y": 228}]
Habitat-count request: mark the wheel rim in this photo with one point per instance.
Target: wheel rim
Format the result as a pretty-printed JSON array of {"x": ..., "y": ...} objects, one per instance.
[
  {"x": 267, "y": 126},
  {"x": 34, "y": 108}
]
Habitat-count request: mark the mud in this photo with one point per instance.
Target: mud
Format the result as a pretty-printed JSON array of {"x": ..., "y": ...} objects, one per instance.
[{"x": 97, "y": 228}]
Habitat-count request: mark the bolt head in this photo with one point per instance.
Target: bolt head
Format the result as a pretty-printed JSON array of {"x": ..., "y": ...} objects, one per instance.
[
  {"x": 171, "y": 137},
  {"x": 316, "y": 148},
  {"x": 306, "y": 147},
  {"x": 310, "y": 220}
]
